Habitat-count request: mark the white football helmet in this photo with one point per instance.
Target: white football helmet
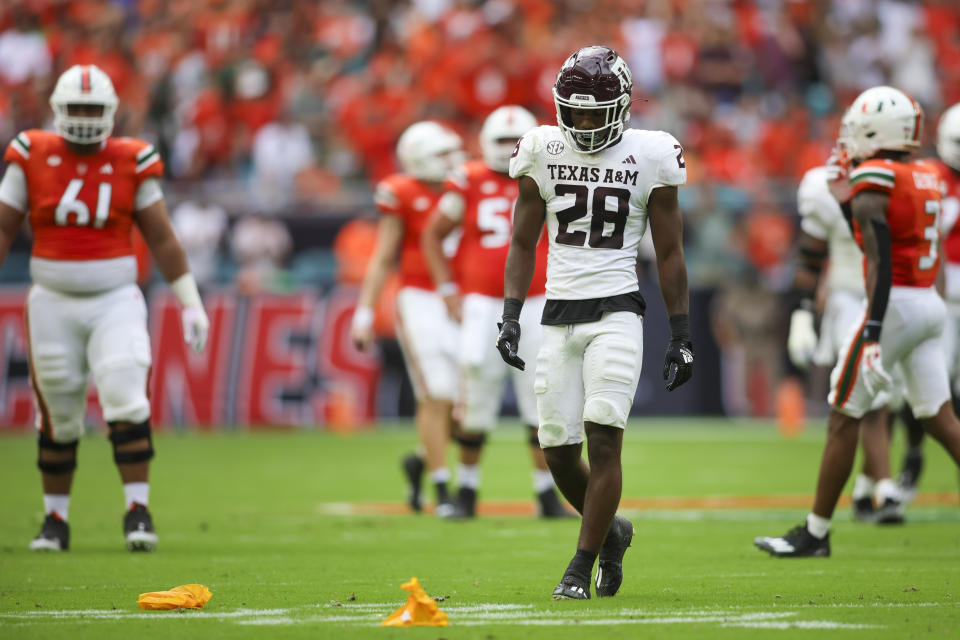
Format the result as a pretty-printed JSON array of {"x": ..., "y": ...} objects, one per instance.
[
  {"x": 84, "y": 84},
  {"x": 428, "y": 151},
  {"x": 948, "y": 137},
  {"x": 881, "y": 118},
  {"x": 500, "y": 133}
]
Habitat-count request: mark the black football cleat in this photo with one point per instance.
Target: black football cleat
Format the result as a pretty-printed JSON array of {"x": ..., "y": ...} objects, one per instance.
[
  {"x": 890, "y": 512},
  {"x": 464, "y": 507},
  {"x": 138, "y": 529},
  {"x": 863, "y": 509},
  {"x": 550, "y": 506},
  {"x": 54, "y": 535},
  {"x": 910, "y": 475},
  {"x": 572, "y": 588},
  {"x": 445, "y": 508},
  {"x": 413, "y": 467},
  {"x": 796, "y": 543},
  {"x": 610, "y": 565}
]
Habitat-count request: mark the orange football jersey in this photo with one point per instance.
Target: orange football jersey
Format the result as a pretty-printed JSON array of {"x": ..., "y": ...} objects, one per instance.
[
  {"x": 950, "y": 188},
  {"x": 913, "y": 216},
  {"x": 81, "y": 206},
  {"x": 412, "y": 201},
  {"x": 489, "y": 198}
]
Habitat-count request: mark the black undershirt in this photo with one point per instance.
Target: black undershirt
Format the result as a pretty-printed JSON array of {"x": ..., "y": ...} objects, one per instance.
[{"x": 559, "y": 312}]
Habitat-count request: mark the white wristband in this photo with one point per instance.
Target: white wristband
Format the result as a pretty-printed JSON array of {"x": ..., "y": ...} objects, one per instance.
[
  {"x": 185, "y": 288},
  {"x": 363, "y": 317},
  {"x": 448, "y": 289}
]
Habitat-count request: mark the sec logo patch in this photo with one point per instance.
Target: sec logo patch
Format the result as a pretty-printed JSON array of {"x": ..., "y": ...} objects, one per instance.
[{"x": 555, "y": 147}]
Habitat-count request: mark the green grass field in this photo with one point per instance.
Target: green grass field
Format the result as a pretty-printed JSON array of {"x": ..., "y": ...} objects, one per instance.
[{"x": 263, "y": 519}]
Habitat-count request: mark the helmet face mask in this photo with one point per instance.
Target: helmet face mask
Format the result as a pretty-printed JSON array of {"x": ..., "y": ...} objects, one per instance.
[
  {"x": 881, "y": 119},
  {"x": 593, "y": 79},
  {"x": 83, "y": 85},
  {"x": 500, "y": 132},
  {"x": 948, "y": 137},
  {"x": 428, "y": 151}
]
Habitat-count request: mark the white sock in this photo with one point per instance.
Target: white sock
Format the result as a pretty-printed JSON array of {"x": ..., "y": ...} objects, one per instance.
[
  {"x": 542, "y": 481},
  {"x": 863, "y": 487},
  {"x": 468, "y": 476},
  {"x": 817, "y": 526},
  {"x": 440, "y": 475},
  {"x": 887, "y": 488},
  {"x": 136, "y": 492},
  {"x": 58, "y": 503}
]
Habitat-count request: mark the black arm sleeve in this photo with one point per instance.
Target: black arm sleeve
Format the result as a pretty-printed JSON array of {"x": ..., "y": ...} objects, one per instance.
[{"x": 881, "y": 291}]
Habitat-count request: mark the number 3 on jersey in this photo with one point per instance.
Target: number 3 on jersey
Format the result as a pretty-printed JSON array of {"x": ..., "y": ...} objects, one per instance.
[
  {"x": 931, "y": 233},
  {"x": 70, "y": 204}
]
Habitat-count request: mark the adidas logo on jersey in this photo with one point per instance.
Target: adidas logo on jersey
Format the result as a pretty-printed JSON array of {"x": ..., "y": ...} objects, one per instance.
[
  {"x": 106, "y": 169},
  {"x": 629, "y": 160}
]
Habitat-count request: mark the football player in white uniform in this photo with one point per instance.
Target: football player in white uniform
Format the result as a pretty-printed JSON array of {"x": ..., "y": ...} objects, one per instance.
[
  {"x": 825, "y": 231},
  {"x": 83, "y": 192},
  {"x": 597, "y": 185},
  {"x": 478, "y": 201},
  {"x": 895, "y": 205},
  {"x": 427, "y": 152}
]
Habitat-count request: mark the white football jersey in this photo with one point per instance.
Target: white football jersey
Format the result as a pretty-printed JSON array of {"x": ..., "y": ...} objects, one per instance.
[
  {"x": 596, "y": 205},
  {"x": 823, "y": 219}
]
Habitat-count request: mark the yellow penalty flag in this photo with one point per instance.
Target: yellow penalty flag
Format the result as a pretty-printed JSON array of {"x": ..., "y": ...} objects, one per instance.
[
  {"x": 420, "y": 610},
  {"x": 188, "y": 596}
]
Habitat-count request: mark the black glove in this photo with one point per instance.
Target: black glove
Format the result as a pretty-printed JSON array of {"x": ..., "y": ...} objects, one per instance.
[
  {"x": 678, "y": 363},
  {"x": 508, "y": 342},
  {"x": 509, "y": 339}
]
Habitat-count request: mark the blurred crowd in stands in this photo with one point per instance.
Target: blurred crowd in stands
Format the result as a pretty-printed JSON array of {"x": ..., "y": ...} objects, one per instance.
[{"x": 290, "y": 108}]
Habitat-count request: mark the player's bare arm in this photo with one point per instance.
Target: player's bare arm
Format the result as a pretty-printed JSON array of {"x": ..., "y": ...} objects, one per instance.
[
  {"x": 389, "y": 237},
  {"x": 812, "y": 253},
  {"x": 439, "y": 227},
  {"x": 666, "y": 225},
  {"x": 10, "y": 221},
  {"x": 528, "y": 216},
  {"x": 870, "y": 210},
  {"x": 154, "y": 224}
]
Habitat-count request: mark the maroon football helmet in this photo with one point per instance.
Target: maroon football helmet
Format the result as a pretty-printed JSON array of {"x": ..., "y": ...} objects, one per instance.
[{"x": 593, "y": 78}]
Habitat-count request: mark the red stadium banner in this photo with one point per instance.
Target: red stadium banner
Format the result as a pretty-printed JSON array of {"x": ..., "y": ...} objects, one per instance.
[{"x": 271, "y": 360}]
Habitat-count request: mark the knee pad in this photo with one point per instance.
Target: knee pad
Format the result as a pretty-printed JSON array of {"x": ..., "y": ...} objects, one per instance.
[
  {"x": 555, "y": 435},
  {"x": 470, "y": 440},
  {"x": 135, "y": 432},
  {"x": 58, "y": 467},
  {"x": 122, "y": 390},
  {"x": 603, "y": 411}
]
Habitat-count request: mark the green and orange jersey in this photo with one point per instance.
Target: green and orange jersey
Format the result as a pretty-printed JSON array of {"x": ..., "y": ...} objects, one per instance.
[
  {"x": 412, "y": 201},
  {"x": 489, "y": 198},
  {"x": 912, "y": 215},
  {"x": 81, "y": 206}
]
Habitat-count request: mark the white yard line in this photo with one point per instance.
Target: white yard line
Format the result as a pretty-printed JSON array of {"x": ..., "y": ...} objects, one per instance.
[{"x": 371, "y": 613}]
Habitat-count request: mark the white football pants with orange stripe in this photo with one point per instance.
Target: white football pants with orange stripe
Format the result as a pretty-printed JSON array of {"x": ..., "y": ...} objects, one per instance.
[
  {"x": 911, "y": 340},
  {"x": 483, "y": 373},
  {"x": 72, "y": 336},
  {"x": 428, "y": 338}
]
